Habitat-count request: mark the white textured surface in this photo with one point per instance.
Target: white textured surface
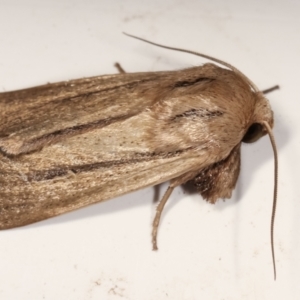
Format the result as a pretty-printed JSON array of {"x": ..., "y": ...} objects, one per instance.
[{"x": 206, "y": 252}]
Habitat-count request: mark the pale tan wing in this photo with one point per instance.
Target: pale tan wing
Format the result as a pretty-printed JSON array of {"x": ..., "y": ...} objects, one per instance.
[
  {"x": 28, "y": 197},
  {"x": 34, "y": 117},
  {"x": 31, "y": 117},
  {"x": 93, "y": 149}
]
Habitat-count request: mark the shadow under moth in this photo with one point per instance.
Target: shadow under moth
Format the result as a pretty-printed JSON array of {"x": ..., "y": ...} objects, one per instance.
[{"x": 70, "y": 144}]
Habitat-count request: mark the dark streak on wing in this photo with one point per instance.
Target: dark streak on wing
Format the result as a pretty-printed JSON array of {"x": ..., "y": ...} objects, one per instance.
[
  {"x": 51, "y": 138},
  {"x": 128, "y": 85},
  {"x": 60, "y": 171},
  {"x": 29, "y": 104},
  {"x": 186, "y": 83},
  {"x": 201, "y": 113}
]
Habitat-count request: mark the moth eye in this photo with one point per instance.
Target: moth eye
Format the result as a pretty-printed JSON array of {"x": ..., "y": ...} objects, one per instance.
[{"x": 254, "y": 132}]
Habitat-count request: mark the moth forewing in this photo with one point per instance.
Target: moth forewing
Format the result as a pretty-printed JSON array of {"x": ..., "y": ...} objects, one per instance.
[
  {"x": 110, "y": 150},
  {"x": 70, "y": 144}
]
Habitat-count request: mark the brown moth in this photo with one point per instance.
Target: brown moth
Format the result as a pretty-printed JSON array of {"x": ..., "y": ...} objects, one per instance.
[{"x": 70, "y": 144}]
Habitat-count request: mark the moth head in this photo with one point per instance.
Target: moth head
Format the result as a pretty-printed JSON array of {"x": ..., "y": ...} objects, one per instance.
[
  {"x": 261, "y": 123},
  {"x": 262, "y": 114}
]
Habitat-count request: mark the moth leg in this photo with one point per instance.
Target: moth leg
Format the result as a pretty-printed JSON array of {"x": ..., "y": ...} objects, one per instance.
[
  {"x": 159, "y": 210},
  {"x": 173, "y": 184},
  {"x": 120, "y": 69},
  {"x": 271, "y": 89}
]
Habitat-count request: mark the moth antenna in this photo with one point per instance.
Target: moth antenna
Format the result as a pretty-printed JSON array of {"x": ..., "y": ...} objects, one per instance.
[
  {"x": 269, "y": 130},
  {"x": 234, "y": 69}
]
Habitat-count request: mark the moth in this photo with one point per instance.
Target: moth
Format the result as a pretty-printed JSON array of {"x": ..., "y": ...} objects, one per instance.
[{"x": 74, "y": 143}]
